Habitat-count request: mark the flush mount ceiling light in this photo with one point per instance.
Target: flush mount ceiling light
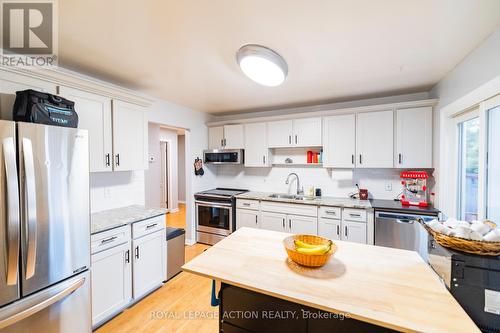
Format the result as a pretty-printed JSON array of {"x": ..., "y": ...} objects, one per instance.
[{"x": 262, "y": 65}]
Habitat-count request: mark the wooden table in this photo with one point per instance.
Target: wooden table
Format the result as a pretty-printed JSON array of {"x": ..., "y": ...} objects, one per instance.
[{"x": 387, "y": 287}]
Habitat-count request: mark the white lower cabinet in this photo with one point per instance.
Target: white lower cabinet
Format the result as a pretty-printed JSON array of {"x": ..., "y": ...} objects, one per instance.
[
  {"x": 149, "y": 253},
  {"x": 354, "y": 232},
  {"x": 247, "y": 218},
  {"x": 273, "y": 221},
  {"x": 329, "y": 228},
  {"x": 289, "y": 223}
]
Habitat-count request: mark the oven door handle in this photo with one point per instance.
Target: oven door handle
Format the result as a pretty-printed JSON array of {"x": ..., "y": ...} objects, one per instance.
[{"x": 213, "y": 204}]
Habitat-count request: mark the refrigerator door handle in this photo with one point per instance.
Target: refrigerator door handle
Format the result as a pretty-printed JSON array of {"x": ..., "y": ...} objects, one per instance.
[
  {"x": 34, "y": 305},
  {"x": 9, "y": 152},
  {"x": 29, "y": 173}
]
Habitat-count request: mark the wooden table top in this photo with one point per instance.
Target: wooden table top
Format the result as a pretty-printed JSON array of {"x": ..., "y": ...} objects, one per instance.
[{"x": 383, "y": 286}]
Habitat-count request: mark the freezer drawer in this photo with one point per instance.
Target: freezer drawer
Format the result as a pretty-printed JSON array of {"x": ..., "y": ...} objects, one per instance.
[{"x": 64, "y": 307}]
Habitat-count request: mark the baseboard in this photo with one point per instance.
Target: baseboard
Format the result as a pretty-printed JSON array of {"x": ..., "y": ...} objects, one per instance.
[
  {"x": 174, "y": 210},
  {"x": 190, "y": 242},
  {"x": 181, "y": 201}
]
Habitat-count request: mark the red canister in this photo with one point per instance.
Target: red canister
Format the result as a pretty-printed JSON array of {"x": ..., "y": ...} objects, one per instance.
[{"x": 309, "y": 156}]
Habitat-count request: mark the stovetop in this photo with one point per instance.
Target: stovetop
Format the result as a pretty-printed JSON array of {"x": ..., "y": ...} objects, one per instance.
[{"x": 223, "y": 192}]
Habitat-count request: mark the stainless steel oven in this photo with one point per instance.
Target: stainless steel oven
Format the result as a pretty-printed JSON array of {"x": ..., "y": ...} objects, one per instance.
[{"x": 215, "y": 214}]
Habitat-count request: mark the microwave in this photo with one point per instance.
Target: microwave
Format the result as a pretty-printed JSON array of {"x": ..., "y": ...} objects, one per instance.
[{"x": 223, "y": 156}]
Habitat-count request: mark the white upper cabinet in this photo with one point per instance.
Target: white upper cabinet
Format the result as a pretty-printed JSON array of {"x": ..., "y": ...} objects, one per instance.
[
  {"x": 130, "y": 136},
  {"x": 375, "y": 139},
  {"x": 302, "y": 132},
  {"x": 227, "y": 137},
  {"x": 306, "y": 132},
  {"x": 414, "y": 138},
  {"x": 256, "y": 151},
  {"x": 216, "y": 137},
  {"x": 279, "y": 133},
  {"x": 339, "y": 141},
  {"x": 10, "y": 83},
  {"x": 234, "y": 137},
  {"x": 94, "y": 115}
]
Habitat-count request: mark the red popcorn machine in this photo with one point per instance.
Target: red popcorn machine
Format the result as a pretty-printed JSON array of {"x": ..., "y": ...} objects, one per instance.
[{"x": 415, "y": 191}]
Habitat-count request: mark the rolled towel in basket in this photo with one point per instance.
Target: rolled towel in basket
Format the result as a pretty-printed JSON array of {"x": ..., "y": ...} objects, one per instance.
[{"x": 492, "y": 236}]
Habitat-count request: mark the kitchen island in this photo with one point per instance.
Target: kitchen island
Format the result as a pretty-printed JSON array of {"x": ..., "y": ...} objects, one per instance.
[{"x": 362, "y": 288}]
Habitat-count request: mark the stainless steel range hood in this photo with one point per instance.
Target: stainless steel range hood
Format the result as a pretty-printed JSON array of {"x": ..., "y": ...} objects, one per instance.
[{"x": 223, "y": 156}]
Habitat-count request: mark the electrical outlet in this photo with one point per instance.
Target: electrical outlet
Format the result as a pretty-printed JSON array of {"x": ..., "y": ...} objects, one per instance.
[
  {"x": 107, "y": 192},
  {"x": 388, "y": 186}
]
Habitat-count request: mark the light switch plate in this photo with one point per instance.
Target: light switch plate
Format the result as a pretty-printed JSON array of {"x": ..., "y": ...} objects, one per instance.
[{"x": 388, "y": 186}]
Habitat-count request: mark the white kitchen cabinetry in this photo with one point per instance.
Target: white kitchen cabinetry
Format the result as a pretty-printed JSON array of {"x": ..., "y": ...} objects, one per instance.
[
  {"x": 111, "y": 274},
  {"x": 414, "y": 138},
  {"x": 256, "y": 150},
  {"x": 149, "y": 260},
  {"x": 329, "y": 228},
  {"x": 130, "y": 136},
  {"x": 301, "y": 132},
  {"x": 354, "y": 232},
  {"x": 273, "y": 221},
  {"x": 247, "y": 218},
  {"x": 226, "y": 137},
  {"x": 302, "y": 225},
  {"x": 339, "y": 141},
  {"x": 10, "y": 83},
  {"x": 375, "y": 139},
  {"x": 94, "y": 115}
]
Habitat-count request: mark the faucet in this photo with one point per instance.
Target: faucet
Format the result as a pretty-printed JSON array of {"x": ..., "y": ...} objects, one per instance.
[{"x": 300, "y": 190}]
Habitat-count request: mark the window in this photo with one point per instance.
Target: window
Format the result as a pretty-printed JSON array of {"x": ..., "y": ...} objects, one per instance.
[
  {"x": 468, "y": 169},
  {"x": 493, "y": 165}
]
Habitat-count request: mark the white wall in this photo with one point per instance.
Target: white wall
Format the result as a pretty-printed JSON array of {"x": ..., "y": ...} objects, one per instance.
[
  {"x": 336, "y": 183},
  {"x": 181, "y": 167},
  {"x": 110, "y": 190}
]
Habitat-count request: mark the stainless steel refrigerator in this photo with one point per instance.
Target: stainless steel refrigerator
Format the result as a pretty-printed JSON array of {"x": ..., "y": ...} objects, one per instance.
[{"x": 44, "y": 229}]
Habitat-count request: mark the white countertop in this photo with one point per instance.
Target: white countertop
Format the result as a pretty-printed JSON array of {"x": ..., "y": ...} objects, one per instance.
[
  {"x": 113, "y": 218},
  {"x": 318, "y": 201}
]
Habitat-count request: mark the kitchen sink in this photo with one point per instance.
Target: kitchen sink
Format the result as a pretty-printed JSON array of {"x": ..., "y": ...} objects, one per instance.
[{"x": 290, "y": 197}]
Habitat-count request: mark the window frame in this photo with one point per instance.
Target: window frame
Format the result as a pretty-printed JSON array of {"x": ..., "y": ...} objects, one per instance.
[{"x": 485, "y": 107}]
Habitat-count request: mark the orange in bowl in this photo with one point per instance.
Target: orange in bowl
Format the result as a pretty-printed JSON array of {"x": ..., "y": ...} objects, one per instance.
[{"x": 309, "y": 250}]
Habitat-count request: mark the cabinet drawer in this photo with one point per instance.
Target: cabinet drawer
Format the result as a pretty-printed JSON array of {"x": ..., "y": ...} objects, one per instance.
[
  {"x": 108, "y": 239},
  {"x": 148, "y": 226},
  {"x": 292, "y": 209},
  {"x": 357, "y": 215},
  {"x": 330, "y": 212},
  {"x": 248, "y": 204}
]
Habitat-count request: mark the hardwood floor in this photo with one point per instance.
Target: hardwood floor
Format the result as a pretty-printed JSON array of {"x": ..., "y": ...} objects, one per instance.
[
  {"x": 177, "y": 220},
  {"x": 181, "y": 305}
]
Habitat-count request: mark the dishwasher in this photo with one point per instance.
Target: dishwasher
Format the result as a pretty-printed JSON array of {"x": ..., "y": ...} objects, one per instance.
[{"x": 402, "y": 231}]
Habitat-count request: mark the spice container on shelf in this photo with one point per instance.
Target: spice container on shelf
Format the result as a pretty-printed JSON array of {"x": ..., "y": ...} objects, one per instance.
[{"x": 309, "y": 156}]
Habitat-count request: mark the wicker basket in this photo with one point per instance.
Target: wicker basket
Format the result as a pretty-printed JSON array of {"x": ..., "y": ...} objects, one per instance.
[
  {"x": 309, "y": 260},
  {"x": 465, "y": 245}
]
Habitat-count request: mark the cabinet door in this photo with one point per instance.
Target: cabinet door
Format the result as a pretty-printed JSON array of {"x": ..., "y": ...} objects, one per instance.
[
  {"x": 11, "y": 82},
  {"x": 234, "y": 137},
  {"x": 307, "y": 132},
  {"x": 339, "y": 141},
  {"x": 302, "y": 225},
  {"x": 273, "y": 221},
  {"x": 149, "y": 263},
  {"x": 375, "y": 139},
  {"x": 354, "y": 232},
  {"x": 94, "y": 115},
  {"x": 414, "y": 138},
  {"x": 256, "y": 151},
  {"x": 130, "y": 136},
  {"x": 111, "y": 282},
  {"x": 329, "y": 228},
  {"x": 247, "y": 218},
  {"x": 279, "y": 133},
  {"x": 215, "y": 137}
]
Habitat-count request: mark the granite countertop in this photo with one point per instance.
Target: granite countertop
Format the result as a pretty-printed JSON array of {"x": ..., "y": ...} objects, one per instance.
[
  {"x": 396, "y": 206},
  {"x": 318, "y": 201},
  {"x": 113, "y": 218}
]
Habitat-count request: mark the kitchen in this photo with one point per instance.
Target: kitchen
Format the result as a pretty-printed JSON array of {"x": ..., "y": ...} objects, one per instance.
[{"x": 199, "y": 167}]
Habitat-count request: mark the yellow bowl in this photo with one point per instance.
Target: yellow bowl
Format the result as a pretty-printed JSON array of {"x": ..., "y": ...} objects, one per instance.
[{"x": 308, "y": 260}]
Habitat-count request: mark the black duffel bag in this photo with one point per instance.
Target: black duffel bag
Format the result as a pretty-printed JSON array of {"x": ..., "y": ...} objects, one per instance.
[{"x": 38, "y": 107}]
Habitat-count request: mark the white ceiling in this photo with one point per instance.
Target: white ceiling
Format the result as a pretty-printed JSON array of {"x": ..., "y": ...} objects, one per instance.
[{"x": 184, "y": 50}]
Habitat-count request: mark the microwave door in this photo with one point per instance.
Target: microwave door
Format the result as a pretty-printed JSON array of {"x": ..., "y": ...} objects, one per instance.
[
  {"x": 9, "y": 216},
  {"x": 55, "y": 224}
]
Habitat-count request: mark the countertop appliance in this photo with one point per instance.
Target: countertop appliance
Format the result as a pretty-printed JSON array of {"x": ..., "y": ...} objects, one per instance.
[
  {"x": 223, "y": 156},
  {"x": 473, "y": 280},
  {"x": 215, "y": 214},
  {"x": 402, "y": 231},
  {"x": 44, "y": 235},
  {"x": 415, "y": 190}
]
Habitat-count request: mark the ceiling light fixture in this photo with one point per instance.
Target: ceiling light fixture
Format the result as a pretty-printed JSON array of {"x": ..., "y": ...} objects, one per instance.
[{"x": 262, "y": 65}]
